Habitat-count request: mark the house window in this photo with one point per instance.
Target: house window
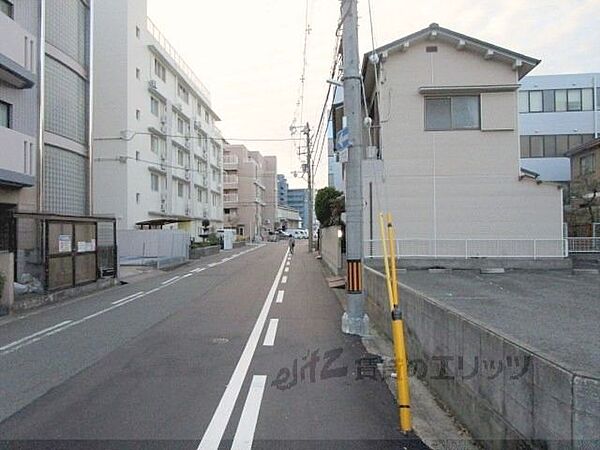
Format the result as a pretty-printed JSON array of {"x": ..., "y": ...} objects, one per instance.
[
  {"x": 160, "y": 70},
  {"x": 525, "y": 151},
  {"x": 180, "y": 157},
  {"x": 587, "y": 164},
  {"x": 138, "y": 114},
  {"x": 7, "y": 8},
  {"x": 180, "y": 189},
  {"x": 549, "y": 101},
  {"x": 524, "y": 101},
  {"x": 587, "y": 99},
  {"x": 536, "y": 102},
  {"x": 206, "y": 116},
  {"x": 157, "y": 144},
  {"x": 560, "y": 97},
  {"x": 180, "y": 125},
  {"x": 137, "y": 32},
  {"x": 138, "y": 73},
  {"x": 5, "y": 112},
  {"x": 154, "y": 106},
  {"x": 537, "y": 146},
  {"x": 183, "y": 93},
  {"x": 154, "y": 182},
  {"x": 199, "y": 193},
  {"x": 452, "y": 113},
  {"x": 137, "y": 198},
  {"x": 574, "y": 100}
]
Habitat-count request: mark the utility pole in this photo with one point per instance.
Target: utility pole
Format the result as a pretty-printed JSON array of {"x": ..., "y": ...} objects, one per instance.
[
  {"x": 310, "y": 188},
  {"x": 354, "y": 320}
]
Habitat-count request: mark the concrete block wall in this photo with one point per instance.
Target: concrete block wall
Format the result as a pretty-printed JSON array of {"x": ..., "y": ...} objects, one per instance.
[
  {"x": 331, "y": 249},
  {"x": 529, "y": 399}
]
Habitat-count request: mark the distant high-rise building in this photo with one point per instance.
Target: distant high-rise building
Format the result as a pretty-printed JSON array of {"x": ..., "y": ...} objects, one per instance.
[
  {"x": 159, "y": 154},
  {"x": 298, "y": 200},
  {"x": 250, "y": 201},
  {"x": 282, "y": 190}
]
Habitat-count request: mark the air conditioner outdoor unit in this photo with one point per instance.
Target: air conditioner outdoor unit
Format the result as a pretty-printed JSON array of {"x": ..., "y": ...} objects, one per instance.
[
  {"x": 163, "y": 118},
  {"x": 152, "y": 84},
  {"x": 178, "y": 106},
  {"x": 163, "y": 128},
  {"x": 188, "y": 174}
]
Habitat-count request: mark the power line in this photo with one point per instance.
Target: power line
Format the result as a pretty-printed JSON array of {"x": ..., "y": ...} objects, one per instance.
[{"x": 195, "y": 138}]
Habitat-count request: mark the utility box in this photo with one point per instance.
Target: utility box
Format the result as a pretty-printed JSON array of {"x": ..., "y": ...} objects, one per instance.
[{"x": 228, "y": 238}]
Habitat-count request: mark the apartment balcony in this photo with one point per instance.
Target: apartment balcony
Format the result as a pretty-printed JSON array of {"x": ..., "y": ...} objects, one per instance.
[
  {"x": 230, "y": 198},
  {"x": 17, "y": 165},
  {"x": 231, "y": 183},
  {"x": 230, "y": 162},
  {"x": 17, "y": 54}
]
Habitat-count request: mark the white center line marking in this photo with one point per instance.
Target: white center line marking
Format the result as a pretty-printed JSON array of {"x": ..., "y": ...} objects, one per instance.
[
  {"x": 127, "y": 298},
  {"x": 271, "y": 332},
  {"x": 214, "y": 433},
  {"x": 152, "y": 291},
  {"x": 187, "y": 275},
  {"x": 284, "y": 280},
  {"x": 213, "y": 264},
  {"x": 31, "y": 336},
  {"x": 280, "y": 297},
  {"x": 169, "y": 280},
  {"x": 244, "y": 435}
]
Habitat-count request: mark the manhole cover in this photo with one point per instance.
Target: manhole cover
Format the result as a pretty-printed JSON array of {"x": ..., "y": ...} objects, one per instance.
[{"x": 220, "y": 340}]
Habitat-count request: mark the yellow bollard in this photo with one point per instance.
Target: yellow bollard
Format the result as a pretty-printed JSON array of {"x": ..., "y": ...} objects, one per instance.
[{"x": 402, "y": 387}]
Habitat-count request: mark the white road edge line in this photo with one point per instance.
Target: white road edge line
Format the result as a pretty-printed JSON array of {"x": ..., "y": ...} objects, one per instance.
[
  {"x": 244, "y": 435},
  {"x": 287, "y": 269},
  {"x": 214, "y": 432},
  {"x": 284, "y": 280},
  {"x": 271, "y": 333},
  {"x": 116, "y": 302},
  {"x": 31, "y": 336},
  {"x": 280, "y": 297},
  {"x": 169, "y": 280}
]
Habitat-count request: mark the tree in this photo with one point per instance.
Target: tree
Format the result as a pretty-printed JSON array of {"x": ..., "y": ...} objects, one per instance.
[
  {"x": 586, "y": 191},
  {"x": 325, "y": 206}
]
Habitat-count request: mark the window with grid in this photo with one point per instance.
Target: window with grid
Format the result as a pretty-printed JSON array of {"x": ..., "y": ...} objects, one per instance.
[
  {"x": 65, "y": 181},
  {"x": 587, "y": 164},
  {"x": 157, "y": 144},
  {"x": 67, "y": 27},
  {"x": 66, "y": 105}
]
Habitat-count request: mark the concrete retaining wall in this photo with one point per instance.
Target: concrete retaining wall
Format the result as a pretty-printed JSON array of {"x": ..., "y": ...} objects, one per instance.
[
  {"x": 200, "y": 252},
  {"x": 503, "y": 392},
  {"x": 331, "y": 249},
  {"x": 7, "y": 295}
]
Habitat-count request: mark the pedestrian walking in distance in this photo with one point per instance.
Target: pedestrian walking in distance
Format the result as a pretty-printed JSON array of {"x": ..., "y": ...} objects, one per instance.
[{"x": 292, "y": 244}]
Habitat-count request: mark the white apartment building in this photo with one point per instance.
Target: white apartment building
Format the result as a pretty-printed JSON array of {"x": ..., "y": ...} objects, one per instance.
[
  {"x": 556, "y": 114},
  {"x": 158, "y": 153}
]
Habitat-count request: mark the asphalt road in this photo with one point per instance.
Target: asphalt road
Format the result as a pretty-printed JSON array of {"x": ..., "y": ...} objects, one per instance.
[{"x": 241, "y": 350}]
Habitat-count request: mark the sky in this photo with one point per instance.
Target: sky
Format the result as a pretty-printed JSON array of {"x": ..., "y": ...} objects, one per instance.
[{"x": 249, "y": 53}]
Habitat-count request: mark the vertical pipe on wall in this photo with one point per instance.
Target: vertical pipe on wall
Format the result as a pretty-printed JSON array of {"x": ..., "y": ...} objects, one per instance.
[
  {"x": 90, "y": 108},
  {"x": 41, "y": 104}
]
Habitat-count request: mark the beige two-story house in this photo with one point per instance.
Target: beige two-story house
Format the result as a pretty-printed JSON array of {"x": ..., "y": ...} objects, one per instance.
[{"x": 445, "y": 151}]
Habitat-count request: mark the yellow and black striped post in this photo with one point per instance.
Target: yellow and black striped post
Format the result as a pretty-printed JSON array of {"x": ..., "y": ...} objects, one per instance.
[{"x": 354, "y": 284}]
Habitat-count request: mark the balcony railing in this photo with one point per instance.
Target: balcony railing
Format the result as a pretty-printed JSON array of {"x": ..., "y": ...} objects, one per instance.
[
  {"x": 18, "y": 152},
  {"x": 181, "y": 64},
  {"x": 230, "y": 161},
  {"x": 230, "y": 198}
]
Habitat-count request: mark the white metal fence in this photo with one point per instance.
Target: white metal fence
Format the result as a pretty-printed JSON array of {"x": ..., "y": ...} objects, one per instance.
[
  {"x": 584, "y": 245},
  {"x": 473, "y": 248}
]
